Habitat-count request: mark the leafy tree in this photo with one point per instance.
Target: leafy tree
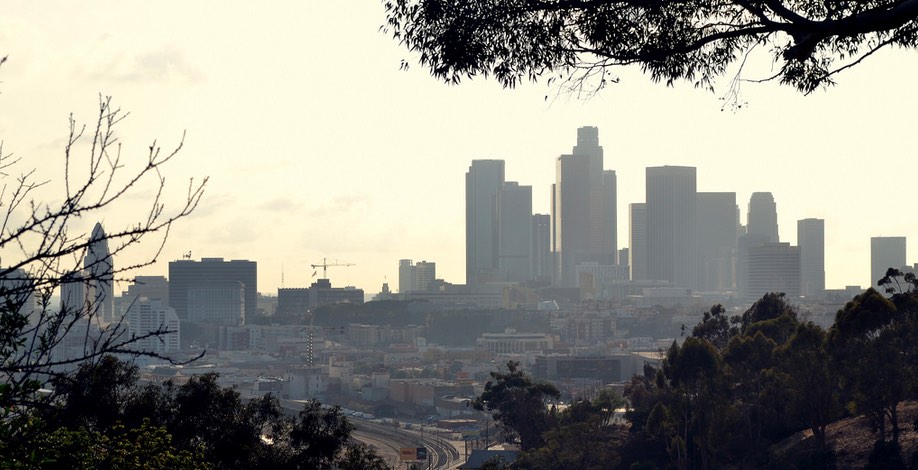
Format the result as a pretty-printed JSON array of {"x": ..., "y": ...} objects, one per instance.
[
  {"x": 694, "y": 40},
  {"x": 716, "y": 327},
  {"x": 519, "y": 404},
  {"x": 869, "y": 342}
]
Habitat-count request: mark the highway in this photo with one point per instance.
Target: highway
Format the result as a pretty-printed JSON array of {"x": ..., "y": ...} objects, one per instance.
[{"x": 387, "y": 440}]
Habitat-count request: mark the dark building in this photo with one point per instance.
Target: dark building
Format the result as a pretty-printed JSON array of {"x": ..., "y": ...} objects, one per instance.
[{"x": 187, "y": 277}]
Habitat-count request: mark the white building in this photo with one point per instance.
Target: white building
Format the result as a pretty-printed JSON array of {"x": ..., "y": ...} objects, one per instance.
[{"x": 149, "y": 316}]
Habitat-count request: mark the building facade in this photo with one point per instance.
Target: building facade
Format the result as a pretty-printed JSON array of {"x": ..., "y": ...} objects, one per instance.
[
  {"x": 186, "y": 274},
  {"x": 885, "y": 253},
  {"x": 811, "y": 237},
  {"x": 671, "y": 247},
  {"x": 483, "y": 181}
]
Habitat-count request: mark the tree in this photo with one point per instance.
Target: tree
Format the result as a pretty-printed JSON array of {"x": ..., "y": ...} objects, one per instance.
[
  {"x": 693, "y": 40},
  {"x": 42, "y": 250},
  {"x": 519, "y": 404}
]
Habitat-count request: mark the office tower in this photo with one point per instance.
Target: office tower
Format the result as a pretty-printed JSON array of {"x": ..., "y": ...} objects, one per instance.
[
  {"x": 885, "y": 253},
  {"x": 583, "y": 208},
  {"x": 17, "y": 293},
  {"x": 514, "y": 215},
  {"x": 763, "y": 217},
  {"x": 716, "y": 226},
  {"x": 811, "y": 240},
  {"x": 482, "y": 183},
  {"x": 638, "y": 241},
  {"x": 100, "y": 270},
  {"x": 671, "y": 247},
  {"x": 541, "y": 248},
  {"x": 425, "y": 272},
  {"x": 407, "y": 276},
  {"x": 152, "y": 316},
  {"x": 211, "y": 275},
  {"x": 217, "y": 303},
  {"x": 772, "y": 267}
]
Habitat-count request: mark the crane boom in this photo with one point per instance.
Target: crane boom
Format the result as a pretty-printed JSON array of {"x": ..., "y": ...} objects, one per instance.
[{"x": 325, "y": 264}]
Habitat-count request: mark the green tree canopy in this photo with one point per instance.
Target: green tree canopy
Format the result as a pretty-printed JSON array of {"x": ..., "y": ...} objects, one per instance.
[{"x": 692, "y": 40}]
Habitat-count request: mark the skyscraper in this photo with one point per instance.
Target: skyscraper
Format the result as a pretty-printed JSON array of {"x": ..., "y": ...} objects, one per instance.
[
  {"x": 514, "y": 215},
  {"x": 638, "y": 232},
  {"x": 482, "y": 183},
  {"x": 716, "y": 236},
  {"x": 583, "y": 208},
  {"x": 407, "y": 276},
  {"x": 885, "y": 253},
  {"x": 99, "y": 268},
  {"x": 541, "y": 247},
  {"x": 762, "y": 218},
  {"x": 811, "y": 240},
  {"x": 671, "y": 247},
  {"x": 425, "y": 272}
]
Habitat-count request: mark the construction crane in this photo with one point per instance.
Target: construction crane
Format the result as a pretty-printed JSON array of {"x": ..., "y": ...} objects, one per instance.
[{"x": 325, "y": 264}]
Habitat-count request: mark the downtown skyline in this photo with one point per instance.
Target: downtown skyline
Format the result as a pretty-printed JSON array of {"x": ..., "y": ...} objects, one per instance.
[{"x": 318, "y": 152}]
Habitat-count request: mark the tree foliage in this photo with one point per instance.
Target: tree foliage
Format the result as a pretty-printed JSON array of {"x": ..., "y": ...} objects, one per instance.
[
  {"x": 694, "y": 40},
  {"x": 519, "y": 404}
]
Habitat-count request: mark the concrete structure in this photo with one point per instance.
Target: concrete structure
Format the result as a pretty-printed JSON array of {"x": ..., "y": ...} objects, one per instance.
[
  {"x": 584, "y": 215},
  {"x": 17, "y": 291},
  {"x": 773, "y": 267},
  {"x": 671, "y": 244},
  {"x": 885, "y": 253},
  {"x": 514, "y": 227},
  {"x": 186, "y": 274},
  {"x": 99, "y": 271},
  {"x": 150, "y": 316},
  {"x": 811, "y": 238},
  {"x": 322, "y": 293},
  {"x": 716, "y": 225},
  {"x": 151, "y": 287},
  {"x": 638, "y": 241},
  {"x": 292, "y": 301},
  {"x": 483, "y": 181}
]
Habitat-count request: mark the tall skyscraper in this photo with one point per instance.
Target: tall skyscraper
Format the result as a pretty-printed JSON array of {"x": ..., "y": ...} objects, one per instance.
[
  {"x": 197, "y": 280},
  {"x": 762, "y": 218},
  {"x": 885, "y": 253},
  {"x": 483, "y": 181},
  {"x": 99, "y": 267},
  {"x": 716, "y": 236},
  {"x": 407, "y": 276},
  {"x": 541, "y": 248},
  {"x": 671, "y": 247},
  {"x": 638, "y": 232},
  {"x": 583, "y": 208},
  {"x": 514, "y": 215},
  {"x": 811, "y": 236}
]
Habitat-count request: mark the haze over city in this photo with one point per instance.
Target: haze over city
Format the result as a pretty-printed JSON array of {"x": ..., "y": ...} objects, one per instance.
[{"x": 318, "y": 146}]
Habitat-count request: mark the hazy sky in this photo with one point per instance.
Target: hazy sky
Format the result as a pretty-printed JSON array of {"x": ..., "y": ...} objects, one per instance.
[{"x": 317, "y": 145}]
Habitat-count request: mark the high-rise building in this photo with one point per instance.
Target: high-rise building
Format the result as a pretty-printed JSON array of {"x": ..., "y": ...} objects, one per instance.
[
  {"x": 152, "y": 316},
  {"x": 716, "y": 227},
  {"x": 425, "y": 272},
  {"x": 541, "y": 248},
  {"x": 772, "y": 267},
  {"x": 583, "y": 208},
  {"x": 217, "y": 303},
  {"x": 186, "y": 275},
  {"x": 885, "y": 253},
  {"x": 762, "y": 218},
  {"x": 407, "y": 276},
  {"x": 811, "y": 236},
  {"x": 671, "y": 247},
  {"x": 99, "y": 269},
  {"x": 483, "y": 181},
  {"x": 638, "y": 241},
  {"x": 514, "y": 215}
]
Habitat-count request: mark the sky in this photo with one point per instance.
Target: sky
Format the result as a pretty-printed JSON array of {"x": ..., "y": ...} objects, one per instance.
[{"x": 317, "y": 146}]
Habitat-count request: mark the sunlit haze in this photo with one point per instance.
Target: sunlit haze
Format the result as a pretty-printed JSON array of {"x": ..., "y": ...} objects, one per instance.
[{"x": 318, "y": 146}]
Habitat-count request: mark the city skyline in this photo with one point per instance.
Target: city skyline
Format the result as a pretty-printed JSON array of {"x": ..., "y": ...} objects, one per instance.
[{"x": 318, "y": 157}]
